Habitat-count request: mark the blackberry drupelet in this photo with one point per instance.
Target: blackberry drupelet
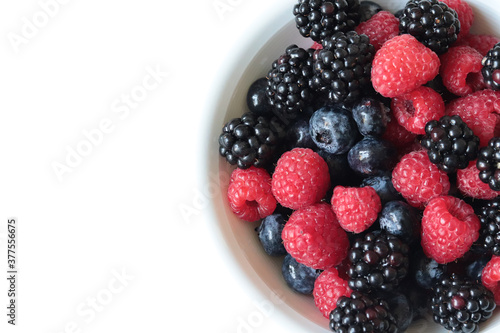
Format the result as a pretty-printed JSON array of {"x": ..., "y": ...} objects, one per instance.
[
  {"x": 450, "y": 143},
  {"x": 288, "y": 88},
  {"x": 379, "y": 261},
  {"x": 432, "y": 22},
  {"x": 488, "y": 164},
  {"x": 491, "y": 68},
  {"x": 362, "y": 313},
  {"x": 489, "y": 215},
  {"x": 251, "y": 140},
  {"x": 319, "y": 19},
  {"x": 343, "y": 67},
  {"x": 459, "y": 305}
]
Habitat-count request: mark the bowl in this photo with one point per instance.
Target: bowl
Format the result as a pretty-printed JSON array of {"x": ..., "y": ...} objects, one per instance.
[{"x": 239, "y": 245}]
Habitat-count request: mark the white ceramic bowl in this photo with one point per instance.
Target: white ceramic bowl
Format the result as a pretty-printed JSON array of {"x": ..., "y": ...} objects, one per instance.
[{"x": 238, "y": 241}]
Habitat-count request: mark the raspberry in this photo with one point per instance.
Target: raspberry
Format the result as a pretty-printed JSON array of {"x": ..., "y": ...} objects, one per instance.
[
  {"x": 465, "y": 15},
  {"x": 300, "y": 179},
  {"x": 418, "y": 180},
  {"x": 356, "y": 208},
  {"x": 479, "y": 111},
  {"x": 470, "y": 185},
  {"x": 461, "y": 70},
  {"x": 482, "y": 43},
  {"x": 379, "y": 28},
  {"x": 403, "y": 64},
  {"x": 328, "y": 288},
  {"x": 491, "y": 277},
  {"x": 249, "y": 194},
  {"x": 415, "y": 109},
  {"x": 314, "y": 237},
  {"x": 449, "y": 227},
  {"x": 397, "y": 134}
]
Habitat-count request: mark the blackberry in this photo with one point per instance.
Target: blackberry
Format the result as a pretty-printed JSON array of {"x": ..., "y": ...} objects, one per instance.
[
  {"x": 489, "y": 215},
  {"x": 488, "y": 164},
  {"x": 319, "y": 19},
  {"x": 459, "y": 305},
  {"x": 362, "y": 313},
  {"x": 379, "y": 261},
  {"x": 288, "y": 87},
  {"x": 251, "y": 140},
  {"x": 343, "y": 67},
  {"x": 450, "y": 143},
  {"x": 257, "y": 100},
  {"x": 431, "y": 22},
  {"x": 491, "y": 68}
]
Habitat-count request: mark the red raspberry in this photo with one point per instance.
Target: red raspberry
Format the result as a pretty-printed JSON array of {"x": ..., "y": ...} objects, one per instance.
[
  {"x": 469, "y": 184},
  {"x": 356, "y": 208},
  {"x": 317, "y": 46},
  {"x": 300, "y": 179},
  {"x": 480, "y": 112},
  {"x": 490, "y": 277},
  {"x": 449, "y": 227},
  {"x": 328, "y": 288},
  {"x": 461, "y": 70},
  {"x": 415, "y": 109},
  {"x": 397, "y": 134},
  {"x": 418, "y": 179},
  {"x": 379, "y": 28},
  {"x": 482, "y": 43},
  {"x": 249, "y": 194},
  {"x": 314, "y": 237},
  {"x": 403, "y": 64},
  {"x": 465, "y": 15}
]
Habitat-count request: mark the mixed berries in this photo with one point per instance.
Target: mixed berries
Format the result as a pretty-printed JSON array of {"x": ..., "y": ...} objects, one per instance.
[{"x": 370, "y": 163}]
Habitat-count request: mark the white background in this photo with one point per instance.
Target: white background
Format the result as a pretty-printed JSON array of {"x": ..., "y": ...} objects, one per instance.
[{"x": 116, "y": 210}]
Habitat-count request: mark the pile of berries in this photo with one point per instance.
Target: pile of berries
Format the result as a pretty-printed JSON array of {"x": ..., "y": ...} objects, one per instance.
[{"x": 371, "y": 164}]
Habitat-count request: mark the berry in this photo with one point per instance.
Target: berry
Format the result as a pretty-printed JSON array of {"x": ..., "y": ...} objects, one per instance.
[
  {"x": 482, "y": 43},
  {"x": 379, "y": 261},
  {"x": 474, "y": 270},
  {"x": 461, "y": 70},
  {"x": 459, "y": 305},
  {"x": 340, "y": 172},
  {"x": 372, "y": 156},
  {"x": 298, "y": 135},
  {"x": 288, "y": 88},
  {"x": 379, "y": 28},
  {"x": 371, "y": 116},
  {"x": 383, "y": 186},
  {"x": 491, "y": 68},
  {"x": 489, "y": 216},
  {"x": 251, "y": 140},
  {"x": 401, "y": 65},
  {"x": 400, "y": 307},
  {"x": 447, "y": 219},
  {"x": 465, "y": 16},
  {"x": 298, "y": 277},
  {"x": 470, "y": 185},
  {"x": 450, "y": 143},
  {"x": 491, "y": 277},
  {"x": 397, "y": 134},
  {"x": 415, "y": 109},
  {"x": 328, "y": 288},
  {"x": 269, "y": 233},
  {"x": 418, "y": 180},
  {"x": 400, "y": 219},
  {"x": 342, "y": 68},
  {"x": 356, "y": 208},
  {"x": 333, "y": 129},
  {"x": 367, "y": 9},
  {"x": 362, "y": 313},
  {"x": 314, "y": 237},
  {"x": 431, "y": 22},
  {"x": 257, "y": 100},
  {"x": 426, "y": 271},
  {"x": 488, "y": 164},
  {"x": 319, "y": 19},
  {"x": 249, "y": 194}
]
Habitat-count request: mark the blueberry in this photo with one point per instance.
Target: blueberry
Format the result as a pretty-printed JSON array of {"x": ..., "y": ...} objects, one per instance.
[
  {"x": 426, "y": 271},
  {"x": 333, "y": 129},
  {"x": 257, "y": 100},
  {"x": 299, "y": 136},
  {"x": 400, "y": 307},
  {"x": 400, "y": 219},
  {"x": 371, "y": 116},
  {"x": 269, "y": 233},
  {"x": 475, "y": 269},
  {"x": 299, "y": 277},
  {"x": 340, "y": 172},
  {"x": 383, "y": 186},
  {"x": 367, "y": 9},
  {"x": 372, "y": 156}
]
